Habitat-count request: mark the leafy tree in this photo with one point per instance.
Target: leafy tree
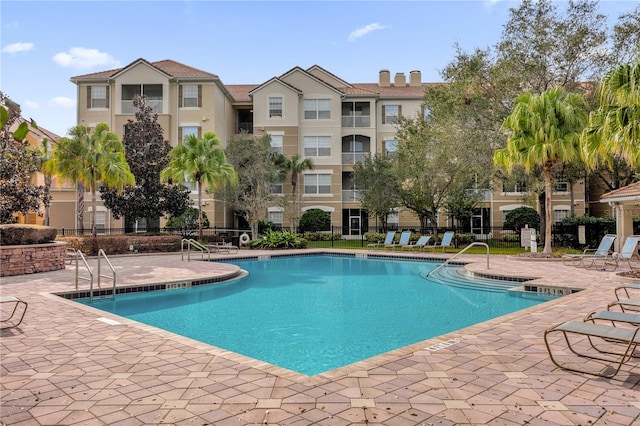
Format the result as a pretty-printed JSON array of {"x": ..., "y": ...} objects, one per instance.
[
  {"x": 614, "y": 128},
  {"x": 626, "y": 37},
  {"x": 93, "y": 158},
  {"x": 256, "y": 167},
  {"x": 462, "y": 202},
  {"x": 379, "y": 193},
  {"x": 543, "y": 130},
  {"x": 188, "y": 219},
  {"x": 147, "y": 153},
  {"x": 314, "y": 220},
  {"x": 17, "y": 164},
  {"x": 201, "y": 161},
  {"x": 43, "y": 154},
  {"x": 516, "y": 219}
]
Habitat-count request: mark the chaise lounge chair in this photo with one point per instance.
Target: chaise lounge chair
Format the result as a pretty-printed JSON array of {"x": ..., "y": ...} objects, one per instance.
[
  {"x": 602, "y": 252},
  {"x": 404, "y": 240},
  {"x": 387, "y": 241},
  {"x": 10, "y": 321},
  {"x": 628, "y": 337},
  {"x": 420, "y": 244},
  {"x": 447, "y": 241},
  {"x": 628, "y": 252}
]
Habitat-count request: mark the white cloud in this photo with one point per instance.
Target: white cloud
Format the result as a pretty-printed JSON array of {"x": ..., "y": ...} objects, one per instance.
[
  {"x": 82, "y": 58},
  {"x": 18, "y": 47},
  {"x": 31, "y": 104},
  {"x": 361, "y": 32},
  {"x": 62, "y": 101}
]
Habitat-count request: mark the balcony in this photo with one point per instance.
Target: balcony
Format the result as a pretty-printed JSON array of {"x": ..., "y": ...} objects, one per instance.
[
  {"x": 483, "y": 194},
  {"x": 351, "y": 196},
  {"x": 356, "y": 121},
  {"x": 351, "y": 158},
  {"x": 155, "y": 104}
]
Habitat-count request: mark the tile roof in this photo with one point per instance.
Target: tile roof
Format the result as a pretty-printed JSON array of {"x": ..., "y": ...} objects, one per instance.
[
  {"x": 240, "y": 92},
  {"x": 167, "y": 66},
  {"x": 393, "y": 91},
  {"x": 39, "y": 132},
  {"x": 629, "y": 192}
]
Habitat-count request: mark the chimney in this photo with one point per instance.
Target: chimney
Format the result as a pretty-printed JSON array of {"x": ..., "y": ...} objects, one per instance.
[
  {"x": 399, "y": 80},
  {"x": 385, "y": 78},
  {"x": 415, "y": 78}
]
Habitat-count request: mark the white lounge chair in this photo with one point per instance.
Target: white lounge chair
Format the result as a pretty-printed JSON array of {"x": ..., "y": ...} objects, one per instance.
[
  {"x": 13, "y": 320},
  {"x": 602, "y": 252},
  {"x": 447, "y": 241},
  {"x": 387, "y": 241},
  {"x": 420, "y": 244},
  {"x": 404, "y": 240},
  {"x": 628, "y": 252}
]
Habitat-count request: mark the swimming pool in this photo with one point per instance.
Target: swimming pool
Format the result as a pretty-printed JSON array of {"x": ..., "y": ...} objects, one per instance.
[{"x": 312, "y": 314}]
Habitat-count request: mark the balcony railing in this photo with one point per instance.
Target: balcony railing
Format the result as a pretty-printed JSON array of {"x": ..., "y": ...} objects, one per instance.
[
  {"x": 351, "y": 195},
  {"x": 353, "y": 157},
  {"x": 484, "y": 194},
  {"x": 155, "y": 104},
  {"x": 356, "y": 121}
]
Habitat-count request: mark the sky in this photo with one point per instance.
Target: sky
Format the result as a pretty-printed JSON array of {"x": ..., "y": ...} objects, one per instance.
[{"x": 45, "y": 43}]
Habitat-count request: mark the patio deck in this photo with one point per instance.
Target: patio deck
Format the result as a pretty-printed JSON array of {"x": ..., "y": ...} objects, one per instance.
[{"x": 63, "y": 365}]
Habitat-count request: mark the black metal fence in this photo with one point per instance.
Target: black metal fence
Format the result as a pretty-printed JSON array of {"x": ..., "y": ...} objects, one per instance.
[{"x": 566, "y": 236}]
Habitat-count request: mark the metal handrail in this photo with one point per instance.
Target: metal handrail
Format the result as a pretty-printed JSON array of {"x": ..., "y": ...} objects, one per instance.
[
  {"x": 101, "y": 253},
  {"x": 191, "y": 242},
  {"x": 79, "y": 254},
  {"x": 459, "y": 253}
]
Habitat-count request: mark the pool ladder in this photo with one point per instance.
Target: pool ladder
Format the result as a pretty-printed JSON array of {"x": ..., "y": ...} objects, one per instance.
[
  {"x": 101, "y": 254},
  {"x": 459, "y": 253},
  {"x": 198, "y": 246}
]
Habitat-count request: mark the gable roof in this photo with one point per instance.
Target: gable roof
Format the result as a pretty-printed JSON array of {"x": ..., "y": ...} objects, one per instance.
[
  {"x": 39, "y": 132},
  {"x": 169, "y": 67},
  {"x": 274, "y": 80},
  {"x": 626, "y": 193}
]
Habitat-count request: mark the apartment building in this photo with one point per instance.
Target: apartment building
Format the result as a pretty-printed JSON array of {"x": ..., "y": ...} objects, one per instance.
[{"x": 309, "y": 112}]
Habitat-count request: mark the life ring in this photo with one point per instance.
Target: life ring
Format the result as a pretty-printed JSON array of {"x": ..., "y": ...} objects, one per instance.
[{"x": 244, "y": 238}]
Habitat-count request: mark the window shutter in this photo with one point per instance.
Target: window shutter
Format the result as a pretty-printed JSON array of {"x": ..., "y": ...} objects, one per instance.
[
  {"x": 180, "y": 95},
  {"x": 384, "y": 115},
  {"x": 199, "y": 132},
  {"x": 88, "y": 96},
  {"x": 199, "y": 95},
  {"x": 399, "y": 112},
  {"x": 108, "y": 104},
  {"x": 180, "y": 138}
]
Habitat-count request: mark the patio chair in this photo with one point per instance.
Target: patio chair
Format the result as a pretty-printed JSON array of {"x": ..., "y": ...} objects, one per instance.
[
  {"x": 387, "y": 241},
  {"x": 404, "y": 240},
  {"x": 10, "y": 321},
  {"x": 628, "y": 252},
  {"x": 420, "y": 244},
  {"x": 594, "y": 333},
  {"x": 447, "y": 241},
  {"x": 602, "y": 252},
  {"x": 613, "y": 318}
]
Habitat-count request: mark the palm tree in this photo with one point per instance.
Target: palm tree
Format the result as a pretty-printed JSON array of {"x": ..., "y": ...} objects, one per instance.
[
  {"x": 201, "y": 161},
  {"x": 91, "y": 158},
  {"x": 44, "y": 153},
  {"x": 614, "y": 128},
  {"x": 543, "y": 130},
  {"x": 295, "y": 166}
]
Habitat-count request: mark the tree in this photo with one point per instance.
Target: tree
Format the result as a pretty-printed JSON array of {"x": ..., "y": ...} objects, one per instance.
[
  {"x": 314, "y": 220},
  {"x": 17, "y": 165},
  {"x": 93, "y": 158},
  {"x": 614, "y": 128},
  {"x": 296, "y": 166},
  {"x": 379, "y": 193},
  {"x": 43, "y": 155},
  {"x": 257, "y": 171},
  {"x": 188, "y": 220},
  {"x": 518, "y": 218},
  {"x": 201, "y": 161},
  {"x": 626, "y": 37},
  {"x": 543, "y": 130},
  {"x": 147, "y": 153}
]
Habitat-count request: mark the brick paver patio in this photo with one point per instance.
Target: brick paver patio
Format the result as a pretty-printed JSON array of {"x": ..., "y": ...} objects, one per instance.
[{"x": 66, "y": 365}]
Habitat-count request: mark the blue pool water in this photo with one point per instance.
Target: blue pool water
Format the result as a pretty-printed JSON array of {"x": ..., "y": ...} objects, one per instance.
[{"x": 312, "y": 314}]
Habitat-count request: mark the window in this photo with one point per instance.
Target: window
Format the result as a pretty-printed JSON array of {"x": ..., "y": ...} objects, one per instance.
[
  {"x": 277, "y": 188},
  {"x": 276, "y": 142},
  {"x": 559, "y": 215},
  {"x": 191, "y": 95},
  {"x": 514, "y": 185},
  {"x": 391, "y": 147},
  {"x": 426, "y": 113},
  {"x": 391, "y": 114},
  {"x": 393, "y": 220},
  {"x": 561, "y": 187},
  {"x": 98, "y": 96},
  {"x": 317, "y": 184},
  {"x": 152, "y": 93},
  {"x": 189, "y": 130},
  {"x": 101, "y": 216},
  {"x": 275, "y": 107},
  {"x": 317, "y": 146},
  {"x": 277, "y": 218},
  {"x": 317, "y": 109}
]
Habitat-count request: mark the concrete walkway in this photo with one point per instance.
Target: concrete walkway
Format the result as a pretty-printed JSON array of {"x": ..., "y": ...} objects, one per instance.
[{"x": 69, "y": 364}]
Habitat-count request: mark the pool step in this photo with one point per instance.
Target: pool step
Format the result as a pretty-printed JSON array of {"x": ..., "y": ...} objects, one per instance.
[{"x": 456, "y": 276}]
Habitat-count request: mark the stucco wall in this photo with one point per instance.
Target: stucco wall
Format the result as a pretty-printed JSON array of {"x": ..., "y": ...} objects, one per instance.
[{"x": 29, "y": 259}]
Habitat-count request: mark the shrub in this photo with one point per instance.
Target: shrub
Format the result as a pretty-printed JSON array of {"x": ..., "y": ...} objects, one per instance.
[
  {"x": 19, "y": 234},
  {"x": 314, "y": 220},
  {"x": 322, "y": 236},
  {"x": 518, "y": 218},
  {"x": 188, "y": 220},
  {"x": 121, "y": 244},
  {"x": 278, "y": 240}
]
